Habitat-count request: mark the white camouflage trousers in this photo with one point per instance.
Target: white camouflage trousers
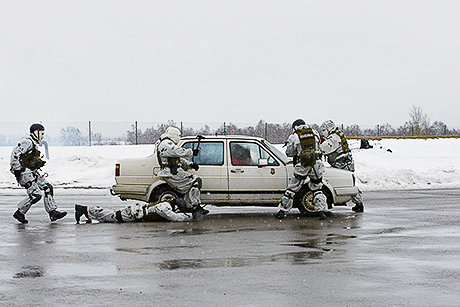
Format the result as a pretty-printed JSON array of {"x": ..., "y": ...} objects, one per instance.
[
  {"x": 135, "y": 212},
  {"x": 36, "y": 186},
  {"x": 315, "y": 184},
  {"x": 186, "y": 184}
]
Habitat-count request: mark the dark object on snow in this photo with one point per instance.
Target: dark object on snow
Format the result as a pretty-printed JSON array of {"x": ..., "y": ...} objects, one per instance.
[{"x": 365, "y": 144}]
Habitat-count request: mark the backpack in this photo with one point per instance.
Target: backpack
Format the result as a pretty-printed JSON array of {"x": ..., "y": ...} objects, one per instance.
[
  {"x": 343, "y": 141},
  {"x": 32, "y": 160},
  {"x": 308, "y": 155}
]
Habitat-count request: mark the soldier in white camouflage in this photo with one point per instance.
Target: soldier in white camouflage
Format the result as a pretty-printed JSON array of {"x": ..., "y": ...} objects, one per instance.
[
  {"x": 334, "y": 146},
  {"x": 175, "y": 161},
  {"x": 25, "y": 164},
  {"x": 173, "y": 210},
  {"x": 302, "y": 145}
]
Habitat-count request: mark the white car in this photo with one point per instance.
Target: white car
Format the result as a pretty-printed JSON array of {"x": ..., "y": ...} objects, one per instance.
[{"x": 235, "y": 171}]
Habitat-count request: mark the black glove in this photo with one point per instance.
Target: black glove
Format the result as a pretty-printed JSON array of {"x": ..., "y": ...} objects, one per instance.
[
  {"x": 194, "y": 166},
  {"x": 196, "y": 152}
]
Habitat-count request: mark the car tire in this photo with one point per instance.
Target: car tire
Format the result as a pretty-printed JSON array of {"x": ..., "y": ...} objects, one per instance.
[
  {"x": 303, "y": 200},
  {"x": 164, "y": 192}
]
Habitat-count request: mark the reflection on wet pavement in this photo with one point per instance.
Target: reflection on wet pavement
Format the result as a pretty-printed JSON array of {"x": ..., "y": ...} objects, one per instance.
[{"x": 30, "y": 272}]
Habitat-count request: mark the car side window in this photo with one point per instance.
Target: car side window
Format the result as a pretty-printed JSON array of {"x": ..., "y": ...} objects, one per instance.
[
  {"x": 248, "y": 154},
  {"x": 210, "y": 153},
  {"x": 265, "y": 155},
  {"x": 241, "y": 154}
]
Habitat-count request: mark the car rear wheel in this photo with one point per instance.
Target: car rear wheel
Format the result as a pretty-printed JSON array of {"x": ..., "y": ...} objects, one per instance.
[
  {"x": 164, "y": 192},
  {"x": 303, "y": 200}
]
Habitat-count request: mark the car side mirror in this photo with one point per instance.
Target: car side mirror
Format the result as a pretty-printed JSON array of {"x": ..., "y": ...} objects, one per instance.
[{"x": 262, "y": 162}]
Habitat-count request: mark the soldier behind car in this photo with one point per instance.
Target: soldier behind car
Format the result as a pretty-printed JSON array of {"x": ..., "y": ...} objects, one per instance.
[
  {"x": 334, "y": 146},
  {"x": 174, "y": 162},
  {"x": 25, "y": 164},
  {"x": 303, "y": 146},
  {"x": 174, "y": 210}
]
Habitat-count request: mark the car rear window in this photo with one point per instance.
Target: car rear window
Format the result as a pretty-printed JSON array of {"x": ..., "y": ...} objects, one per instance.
[{"x": 211, "y": 153}]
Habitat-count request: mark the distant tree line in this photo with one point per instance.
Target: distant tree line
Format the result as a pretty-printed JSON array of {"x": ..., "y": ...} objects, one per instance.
[{"x": 418, "y": 125}]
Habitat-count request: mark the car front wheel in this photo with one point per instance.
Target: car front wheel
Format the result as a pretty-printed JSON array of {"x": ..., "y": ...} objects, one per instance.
[{"x": 303, "y": 200}]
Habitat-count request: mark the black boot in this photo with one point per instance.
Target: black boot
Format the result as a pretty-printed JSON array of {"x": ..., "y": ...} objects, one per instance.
[
  {"x": 322, "y": 215},
  {"x": 79, "y": 211},
  {"x": 199, "y": 212},
  {"x": 359, "y": 207},
  {"x": 56, "y": 215},
  {"x": 204, "y": 211},
  {"x": 281, "y": 215},
  {"x": 20, "y": 217}
]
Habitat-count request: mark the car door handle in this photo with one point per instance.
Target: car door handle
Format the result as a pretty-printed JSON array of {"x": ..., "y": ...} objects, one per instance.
[{"x": 238, "y": 170}]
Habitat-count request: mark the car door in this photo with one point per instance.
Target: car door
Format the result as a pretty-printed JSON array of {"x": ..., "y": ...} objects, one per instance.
[
  {"x": 212, "y": 171},
  {"x": 254, "y": 170}
]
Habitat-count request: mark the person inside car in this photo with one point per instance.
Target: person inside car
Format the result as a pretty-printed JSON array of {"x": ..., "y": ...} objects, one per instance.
[{"x": 241, "y": 155}]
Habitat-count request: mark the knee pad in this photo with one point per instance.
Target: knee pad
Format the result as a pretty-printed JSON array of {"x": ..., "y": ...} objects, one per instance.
[
  {"x": 49, "y": 190},
  {"x": 198, "y": 183},
  {"x": 319, "y": 196},
  {"x": 289, "y": 194},
  {"x": 35, "y": 198}
]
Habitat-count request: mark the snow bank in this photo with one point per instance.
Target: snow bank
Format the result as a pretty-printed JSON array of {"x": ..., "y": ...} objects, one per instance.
[{"x": 390, "y": 165}]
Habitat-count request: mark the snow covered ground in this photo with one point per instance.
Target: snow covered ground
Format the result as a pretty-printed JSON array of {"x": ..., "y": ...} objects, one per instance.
[{"x": 411, "y": 164}]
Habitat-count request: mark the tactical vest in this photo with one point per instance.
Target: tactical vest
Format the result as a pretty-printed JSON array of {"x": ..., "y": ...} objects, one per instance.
[
  {"x": 343, "y": 141},
  {"x": 308, "y": 155},
  {"x": 173, "y": 162},
  {"x": 32, "y": 160}
]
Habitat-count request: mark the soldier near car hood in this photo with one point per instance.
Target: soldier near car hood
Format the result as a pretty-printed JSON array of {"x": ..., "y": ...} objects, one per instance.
[{"x": 303, "y": 146}]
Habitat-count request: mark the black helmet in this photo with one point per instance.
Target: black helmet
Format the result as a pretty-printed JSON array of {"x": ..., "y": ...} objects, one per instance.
[
  {"x": 298, "y": 122},
  {"x": 36, "y": 127}
]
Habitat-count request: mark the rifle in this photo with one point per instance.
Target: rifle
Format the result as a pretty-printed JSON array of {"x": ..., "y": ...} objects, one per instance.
[{"x": 199, "y": 137}]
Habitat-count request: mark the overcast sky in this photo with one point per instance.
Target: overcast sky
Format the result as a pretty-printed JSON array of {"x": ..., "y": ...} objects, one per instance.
[{"x": 365, "y": 62}]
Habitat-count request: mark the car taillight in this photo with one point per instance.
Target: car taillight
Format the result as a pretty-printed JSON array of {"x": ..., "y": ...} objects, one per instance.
[{"x": 117, "y": 170}]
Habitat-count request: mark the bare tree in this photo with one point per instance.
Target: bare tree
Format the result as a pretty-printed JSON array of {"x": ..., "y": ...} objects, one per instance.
[
  {"x": 419, "y": 121},
  {"x": 438, "y": 128}
]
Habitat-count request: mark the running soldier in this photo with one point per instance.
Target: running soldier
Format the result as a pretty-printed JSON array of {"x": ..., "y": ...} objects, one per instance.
[{"x": 25, "y": 163}]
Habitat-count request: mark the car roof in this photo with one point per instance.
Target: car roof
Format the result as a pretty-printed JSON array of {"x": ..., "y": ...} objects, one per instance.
[{"x": 224, "y": 137}]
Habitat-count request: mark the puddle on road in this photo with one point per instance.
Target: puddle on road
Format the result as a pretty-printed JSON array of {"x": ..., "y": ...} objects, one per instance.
[
  {"x": 30, "y": 271},
  {"x": 292, "y": 258},
  {"x": 65, "y": 269},
  {"x": 79, "y": 269}
]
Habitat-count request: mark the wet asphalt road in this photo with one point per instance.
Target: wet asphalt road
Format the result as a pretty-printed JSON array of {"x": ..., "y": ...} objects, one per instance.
[{"x": 403, "y": 251}]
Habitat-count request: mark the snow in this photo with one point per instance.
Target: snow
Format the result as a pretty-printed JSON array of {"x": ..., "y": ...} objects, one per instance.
[{"x": 392, "y": 164}]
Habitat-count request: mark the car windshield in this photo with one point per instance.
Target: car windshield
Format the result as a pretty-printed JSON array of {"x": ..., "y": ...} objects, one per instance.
[{"x": 278, "y": 153}]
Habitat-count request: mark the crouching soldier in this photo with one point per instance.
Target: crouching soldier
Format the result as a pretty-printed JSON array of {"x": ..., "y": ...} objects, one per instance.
[
  {"x": 334, "y": 146},
  {"x": 174, "y": 210},
  {"x": 303, "y": 146},
  {"x": 175, "y": 163},
  {"x": 25, "y": 164}
]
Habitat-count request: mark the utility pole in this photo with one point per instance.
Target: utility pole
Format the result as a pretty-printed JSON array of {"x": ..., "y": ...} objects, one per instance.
[{"x": 89, "y": 133}]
